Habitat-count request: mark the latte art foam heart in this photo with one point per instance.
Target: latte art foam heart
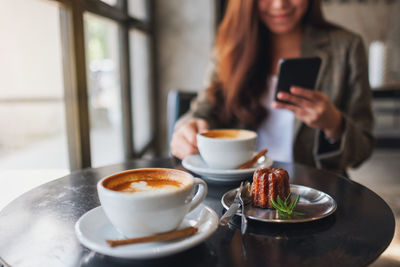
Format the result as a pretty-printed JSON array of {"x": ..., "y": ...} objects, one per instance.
[{"x": 149, "y": 186}]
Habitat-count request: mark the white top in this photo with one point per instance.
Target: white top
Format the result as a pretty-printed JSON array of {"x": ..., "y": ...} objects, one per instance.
[{"x": 276, "y": 131}]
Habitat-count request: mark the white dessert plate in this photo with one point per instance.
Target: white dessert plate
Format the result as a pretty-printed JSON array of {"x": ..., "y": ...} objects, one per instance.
[
  {"x": 314, "y": 205},
  {"x": 94, "y": 228},
  {"x": 196, "y": 164}
]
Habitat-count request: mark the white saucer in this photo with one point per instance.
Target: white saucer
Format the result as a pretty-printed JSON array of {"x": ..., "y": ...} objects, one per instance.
[
  {"x": 196, "y": 164},
  {"x": 93, "y": 229}
]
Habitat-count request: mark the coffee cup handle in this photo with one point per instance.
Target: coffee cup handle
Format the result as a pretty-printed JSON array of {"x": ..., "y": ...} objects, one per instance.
[{"x": 201, "y": 193}]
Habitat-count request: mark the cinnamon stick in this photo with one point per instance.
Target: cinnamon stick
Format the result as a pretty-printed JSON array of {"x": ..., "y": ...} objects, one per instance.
[
  {"x": 251, "y": 162},
  {"x": 154, "y": 238}
]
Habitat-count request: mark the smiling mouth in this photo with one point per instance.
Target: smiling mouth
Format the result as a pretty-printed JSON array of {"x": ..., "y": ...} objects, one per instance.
[{"x": 282, "y": 16}]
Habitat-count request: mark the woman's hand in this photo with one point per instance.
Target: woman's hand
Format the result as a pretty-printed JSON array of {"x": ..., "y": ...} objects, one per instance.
[
  {"x": 314, "y": 109},
  {"x": 183, "y": 141}
]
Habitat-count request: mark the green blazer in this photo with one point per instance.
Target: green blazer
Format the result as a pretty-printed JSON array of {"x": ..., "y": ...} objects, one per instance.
[{"x": 343, "y": 78}]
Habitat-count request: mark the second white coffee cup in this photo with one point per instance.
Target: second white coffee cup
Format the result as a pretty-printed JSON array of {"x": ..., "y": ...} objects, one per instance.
[{"x": 226, "y": 148}]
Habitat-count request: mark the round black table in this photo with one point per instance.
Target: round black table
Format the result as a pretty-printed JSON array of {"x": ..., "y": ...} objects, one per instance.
[{"x": 37, "y": 229}]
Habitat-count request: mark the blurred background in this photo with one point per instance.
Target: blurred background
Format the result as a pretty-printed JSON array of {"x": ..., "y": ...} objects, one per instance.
[{"x": 84, "y": 83}]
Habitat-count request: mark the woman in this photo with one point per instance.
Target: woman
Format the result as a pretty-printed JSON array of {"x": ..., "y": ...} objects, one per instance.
[{"x": 329, "y": 127}]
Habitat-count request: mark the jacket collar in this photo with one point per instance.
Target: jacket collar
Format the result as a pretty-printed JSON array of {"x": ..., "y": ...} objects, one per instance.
[{"x": 314, "y": 38}]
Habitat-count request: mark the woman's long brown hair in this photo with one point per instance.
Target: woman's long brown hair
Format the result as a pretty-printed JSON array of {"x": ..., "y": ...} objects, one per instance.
[{"x": 243, "y": 61}]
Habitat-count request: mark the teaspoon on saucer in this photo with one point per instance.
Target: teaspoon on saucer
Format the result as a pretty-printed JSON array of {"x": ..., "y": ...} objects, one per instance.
[
  {"x": 254, "y": 160},
  {"x": 243, "y": 196}
]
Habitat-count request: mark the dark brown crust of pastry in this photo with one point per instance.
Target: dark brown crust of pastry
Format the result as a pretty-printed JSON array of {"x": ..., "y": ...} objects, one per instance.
[{"x": 269, "y": 182}]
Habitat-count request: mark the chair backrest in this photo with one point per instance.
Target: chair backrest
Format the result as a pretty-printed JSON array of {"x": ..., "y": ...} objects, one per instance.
[{"x": 178, "y": 103}]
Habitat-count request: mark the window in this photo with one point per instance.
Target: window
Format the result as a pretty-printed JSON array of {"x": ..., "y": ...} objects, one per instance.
[
  {"x": 141, "y": 89},
  {"x": 110, "y": 2},
  {"x": 108, "y": 129},
  {"x": 138, "y": 9},
  {"x": 104, "y": 90},
  {"x": 73, "y": 72},
  {"x": 33, "y": 142}
]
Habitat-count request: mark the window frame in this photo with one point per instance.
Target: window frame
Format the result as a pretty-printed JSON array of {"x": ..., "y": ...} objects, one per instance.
[{"x": 75, "y": 76}]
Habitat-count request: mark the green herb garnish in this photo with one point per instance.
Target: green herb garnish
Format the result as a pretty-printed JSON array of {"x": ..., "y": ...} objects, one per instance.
[{"x": 286, "y": 208}]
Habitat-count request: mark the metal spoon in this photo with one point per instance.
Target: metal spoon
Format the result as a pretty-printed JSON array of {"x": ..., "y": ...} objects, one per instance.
[
  {"x": 227, "y": 216},
  {"x": 244, "y": 198}
]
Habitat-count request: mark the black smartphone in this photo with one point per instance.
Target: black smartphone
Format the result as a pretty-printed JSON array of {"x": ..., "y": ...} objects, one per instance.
[{"x": 301, "y": 72}]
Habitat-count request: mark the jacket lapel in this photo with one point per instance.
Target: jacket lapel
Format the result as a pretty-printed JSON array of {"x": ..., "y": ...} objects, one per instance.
[{"x": 314, "y": 44}]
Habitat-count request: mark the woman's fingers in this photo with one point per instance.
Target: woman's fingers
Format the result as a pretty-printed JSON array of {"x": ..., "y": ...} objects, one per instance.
[
  {"x": 180, "y": 147},
  {"x": 295, "y": 100},
  {"x": 184, "y": 142},
  {"x": 189, "y": 134},
  {"x": 313, "y": 108},
  {"x": 194, "y": 127},
  {"x": 309, "y": 94},
  {"x": 202, "y": 125},
  {"x": 298, "y": 111}
]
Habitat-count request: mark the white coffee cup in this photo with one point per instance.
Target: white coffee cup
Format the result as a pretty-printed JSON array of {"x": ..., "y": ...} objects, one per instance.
[
  {"x": 226, "y": 148},
  {"x": 158, "y": 201}
]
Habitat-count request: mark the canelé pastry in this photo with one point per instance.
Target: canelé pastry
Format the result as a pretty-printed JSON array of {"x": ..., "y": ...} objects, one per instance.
[{"x": 267, "y": 183}]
